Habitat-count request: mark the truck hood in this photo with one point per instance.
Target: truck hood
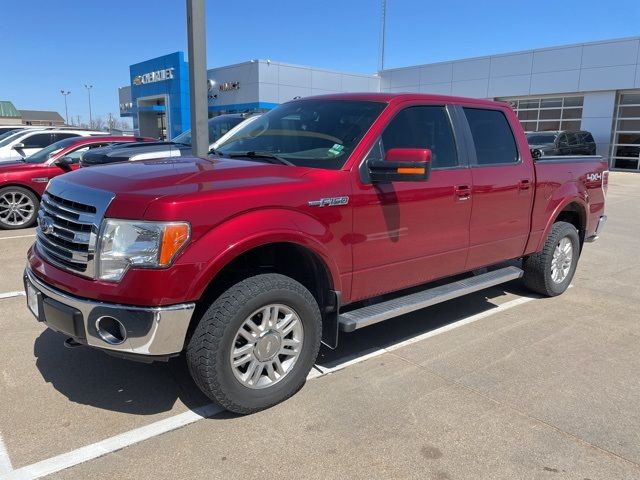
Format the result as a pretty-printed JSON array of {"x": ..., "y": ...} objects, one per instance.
[{"x": 137, "y": 184}]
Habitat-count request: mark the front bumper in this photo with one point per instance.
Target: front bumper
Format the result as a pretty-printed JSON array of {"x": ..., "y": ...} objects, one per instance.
[
  {"x": 147, "y": 331},
  {"x": 601, "y": 221}
]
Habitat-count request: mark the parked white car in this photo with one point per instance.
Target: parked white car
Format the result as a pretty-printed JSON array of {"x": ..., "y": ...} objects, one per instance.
[
  {"x": 9, "y": 128},
  {"x": 29, "y": 141}
]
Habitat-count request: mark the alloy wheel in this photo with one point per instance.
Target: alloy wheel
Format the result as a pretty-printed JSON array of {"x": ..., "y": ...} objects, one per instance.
[
  {"x": 562, "y": 259},
  {"x": 267, "y": 346},
  {"x": 16, "y": 208}
]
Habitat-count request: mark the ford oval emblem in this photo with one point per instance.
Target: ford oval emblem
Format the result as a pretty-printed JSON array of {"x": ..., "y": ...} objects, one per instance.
[{"x": 46, "y": 225}]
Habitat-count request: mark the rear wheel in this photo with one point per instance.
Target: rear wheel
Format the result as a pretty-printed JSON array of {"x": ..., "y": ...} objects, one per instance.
[
  {"x": 256, "y": 343},
  {"x": 18, "y": 208},
  {"x": 550, "y": 271}
]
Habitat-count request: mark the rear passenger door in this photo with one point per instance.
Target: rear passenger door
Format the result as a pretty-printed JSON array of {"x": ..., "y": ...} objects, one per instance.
[{"x": 502, "y": 192}]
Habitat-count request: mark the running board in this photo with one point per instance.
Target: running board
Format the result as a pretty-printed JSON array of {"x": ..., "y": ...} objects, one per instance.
[{"x": 363, "y": 317}]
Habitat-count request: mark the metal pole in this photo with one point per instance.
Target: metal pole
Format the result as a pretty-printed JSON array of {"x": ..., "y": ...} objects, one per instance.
[
  {"x": 383, "y": 32},
  {"x": 66, "y": 111},
  {"x": 89, "y": 87},
  {"x": 198, "y": 100}
]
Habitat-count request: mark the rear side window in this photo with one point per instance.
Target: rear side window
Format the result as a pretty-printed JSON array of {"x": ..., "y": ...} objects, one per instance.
[
  {"x": 492, "y": 136},
  {"x": 38, "y": 140},
  {"x": 587, "y": 137},
  {"x": 423, "y": 127}
]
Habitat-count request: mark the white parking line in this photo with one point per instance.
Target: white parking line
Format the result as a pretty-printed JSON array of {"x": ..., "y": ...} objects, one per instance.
[
  {"x": 112, "y": 444},
  {"x": 123, "y": 440},
  {"x": 17, "y": 293},
  {"x": 5, "y": 462},
  {"x": 18, "y": 236}
]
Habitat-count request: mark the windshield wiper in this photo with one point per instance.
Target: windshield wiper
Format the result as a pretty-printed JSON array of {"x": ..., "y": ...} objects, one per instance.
[{"x": 262, "y": 155}]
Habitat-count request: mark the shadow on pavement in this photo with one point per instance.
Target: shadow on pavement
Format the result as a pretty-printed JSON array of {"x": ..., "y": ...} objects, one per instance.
[
  {"x": 90, "y": 377},
  {"x": 395, "y": 330}
]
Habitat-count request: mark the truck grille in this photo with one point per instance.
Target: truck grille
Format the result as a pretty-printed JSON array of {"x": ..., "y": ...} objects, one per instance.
[
  {"x": 69, "y": 222},
  {"x": 66, "y": 233}
]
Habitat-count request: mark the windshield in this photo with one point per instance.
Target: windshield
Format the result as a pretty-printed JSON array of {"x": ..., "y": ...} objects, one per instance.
[
  {"x": 7, "y": 138},
  {"x": 218, "y": 126},
  {"x": 541, "y": 138},
  {"x": 47, "y": 152},
  {"x": 309, "y": 133}
]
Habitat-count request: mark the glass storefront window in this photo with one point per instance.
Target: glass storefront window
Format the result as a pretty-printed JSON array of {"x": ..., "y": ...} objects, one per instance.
[
  {"x": 625, "y": 147},
  {"x": 548, "y": 113}
]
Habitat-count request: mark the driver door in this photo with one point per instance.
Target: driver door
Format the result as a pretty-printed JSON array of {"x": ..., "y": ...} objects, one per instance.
[{"x": 411, "y": 232}]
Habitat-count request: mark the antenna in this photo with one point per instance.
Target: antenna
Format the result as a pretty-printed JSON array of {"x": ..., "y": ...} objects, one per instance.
[{"x": 383, "y": 31}]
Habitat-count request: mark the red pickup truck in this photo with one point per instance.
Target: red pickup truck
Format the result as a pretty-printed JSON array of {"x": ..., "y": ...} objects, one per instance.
[{"x": 296, "y": 229}]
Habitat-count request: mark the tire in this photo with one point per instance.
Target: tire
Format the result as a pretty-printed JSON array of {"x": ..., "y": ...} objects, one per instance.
[
  {"x": 224, "y": 329},
  {"x": 18, "y": 208},
  {"x": 541, "y": 274}
]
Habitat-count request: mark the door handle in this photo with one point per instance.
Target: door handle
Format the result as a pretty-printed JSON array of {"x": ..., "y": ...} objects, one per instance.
[
  {"x": 524, "y": 184},
  {"x": 463, "y": 192}
]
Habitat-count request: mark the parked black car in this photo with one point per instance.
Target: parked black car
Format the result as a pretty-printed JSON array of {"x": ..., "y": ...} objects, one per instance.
[
  {"x": 562, "y": 143},
  {"x": 180, "y": 146}
]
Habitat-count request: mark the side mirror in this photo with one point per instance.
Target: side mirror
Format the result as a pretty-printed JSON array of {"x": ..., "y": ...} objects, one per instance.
[
  {"x": 64, "y": 163},
  {"x": 536, "y": 153},
  {"x": 401, "y": 165},
  {"x": 18, "y": 146}
]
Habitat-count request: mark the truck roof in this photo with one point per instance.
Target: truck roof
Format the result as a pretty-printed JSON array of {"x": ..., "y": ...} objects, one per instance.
[{"x": 398, "y": 97}]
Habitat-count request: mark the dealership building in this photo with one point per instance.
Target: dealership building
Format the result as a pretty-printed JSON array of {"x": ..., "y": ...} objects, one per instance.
[{"x": 592, "y": 86}]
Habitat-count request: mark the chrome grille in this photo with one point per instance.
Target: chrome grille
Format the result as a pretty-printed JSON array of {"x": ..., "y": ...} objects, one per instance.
[{"x": 68, "y": 225}]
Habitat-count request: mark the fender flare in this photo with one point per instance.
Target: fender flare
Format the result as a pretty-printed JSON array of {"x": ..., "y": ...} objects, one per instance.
[
  {"x": 556, "y": 213},
  {"x": 240, "y": 234}
]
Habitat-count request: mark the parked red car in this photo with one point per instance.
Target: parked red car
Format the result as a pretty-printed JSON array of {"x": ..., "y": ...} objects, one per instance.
[{"x": 22, "y": 182}]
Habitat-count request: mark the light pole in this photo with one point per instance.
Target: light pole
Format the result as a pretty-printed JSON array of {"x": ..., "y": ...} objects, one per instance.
[
  {"x": 89, "y": 87},
  {"x": 197, "y": 77},
  {"x": 66, "y": 112},
  {"x": 383, "y": 34}
]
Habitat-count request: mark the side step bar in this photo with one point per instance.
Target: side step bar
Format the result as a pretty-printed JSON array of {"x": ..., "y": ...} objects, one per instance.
[{"x": 363, "y": 317}]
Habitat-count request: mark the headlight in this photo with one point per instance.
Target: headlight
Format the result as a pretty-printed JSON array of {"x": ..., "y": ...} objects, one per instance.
[{"x": 126, "y": 243}]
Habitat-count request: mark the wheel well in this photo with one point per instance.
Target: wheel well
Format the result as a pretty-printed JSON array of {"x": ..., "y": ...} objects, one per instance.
[
  {"x": 574, "y": 214},
  {"x": 294, "y": 261}
]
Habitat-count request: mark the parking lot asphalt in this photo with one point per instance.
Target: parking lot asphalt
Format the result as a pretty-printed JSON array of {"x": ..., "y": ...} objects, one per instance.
[{"x": 499, "y": 384}]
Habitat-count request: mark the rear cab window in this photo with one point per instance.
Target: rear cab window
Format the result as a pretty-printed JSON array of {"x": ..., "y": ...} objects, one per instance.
[{"x": 493, "y": 138}]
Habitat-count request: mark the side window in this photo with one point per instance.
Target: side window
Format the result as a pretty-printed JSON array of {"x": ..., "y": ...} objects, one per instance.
[
  {"x": 38, "y": 140},
  {"x": 572, "y": 139},
  {"x": 423, "y": 127},
  {"x": 588, "y": 138},
  {"x": 492, "y": 136},
  {"x": 75, "y": 155}
]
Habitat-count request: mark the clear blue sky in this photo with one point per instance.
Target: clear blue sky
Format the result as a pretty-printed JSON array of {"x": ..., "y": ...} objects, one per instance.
[{"x": 49, "y": 45}]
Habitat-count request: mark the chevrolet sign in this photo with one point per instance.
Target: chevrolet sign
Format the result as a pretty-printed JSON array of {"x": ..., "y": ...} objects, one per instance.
[{"x": 151, "y": 77}]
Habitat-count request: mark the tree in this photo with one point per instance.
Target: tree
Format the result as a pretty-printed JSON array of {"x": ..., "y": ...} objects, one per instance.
[{"x": 97, "y": 123}]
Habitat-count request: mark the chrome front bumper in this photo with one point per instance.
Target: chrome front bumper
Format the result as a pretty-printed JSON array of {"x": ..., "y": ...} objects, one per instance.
[
  {"x": 599, "y": 228},
  {"x": 152, "y": 331}
]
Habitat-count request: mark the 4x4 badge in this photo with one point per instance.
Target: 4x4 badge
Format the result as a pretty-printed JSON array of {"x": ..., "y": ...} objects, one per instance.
[{"x": 329, "y": 202}]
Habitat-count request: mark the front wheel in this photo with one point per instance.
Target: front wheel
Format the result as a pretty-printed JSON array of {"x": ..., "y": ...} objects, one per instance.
[
  {"x": 550, "y": 271},
  {"x": 18, "y": 208},
  {"x": 255, "y": 345}
]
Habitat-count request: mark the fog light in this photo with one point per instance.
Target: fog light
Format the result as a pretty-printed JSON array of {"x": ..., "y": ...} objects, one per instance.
[{"x": 111, "y": 330}]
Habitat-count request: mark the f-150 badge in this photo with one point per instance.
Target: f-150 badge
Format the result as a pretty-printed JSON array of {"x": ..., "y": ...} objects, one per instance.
[{"x": 329, "y": 202}]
